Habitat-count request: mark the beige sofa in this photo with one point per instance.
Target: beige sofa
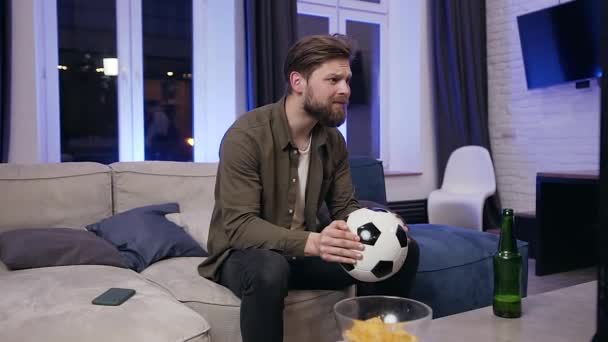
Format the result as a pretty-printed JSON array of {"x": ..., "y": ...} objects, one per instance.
[{"x": 172, "y": 303}]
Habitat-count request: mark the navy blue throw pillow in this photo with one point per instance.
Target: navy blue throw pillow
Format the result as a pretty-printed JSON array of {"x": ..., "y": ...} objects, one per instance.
[{"x": 144, "y": 236}]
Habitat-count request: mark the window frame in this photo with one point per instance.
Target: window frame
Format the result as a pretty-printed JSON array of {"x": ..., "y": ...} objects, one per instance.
[
  {"x": 49, "y": 123},
  {"x": 400, "y": 105},
  {"x": 381, "y": 7},
  {"x": 320, "y": 11},
  {"x": 130, "y": 80},
  {"x": 326, "y": 3}
]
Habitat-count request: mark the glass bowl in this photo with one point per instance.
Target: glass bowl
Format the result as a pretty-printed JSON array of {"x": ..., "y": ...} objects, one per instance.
[{"x": 383, "y": 318}]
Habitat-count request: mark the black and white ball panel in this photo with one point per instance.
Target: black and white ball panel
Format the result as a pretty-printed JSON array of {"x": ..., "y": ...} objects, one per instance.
[{"x": 385, "y": 244}]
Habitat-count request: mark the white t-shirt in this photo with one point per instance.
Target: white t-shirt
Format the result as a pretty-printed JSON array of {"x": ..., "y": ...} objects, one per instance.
[{"x": 303, "y": 163}]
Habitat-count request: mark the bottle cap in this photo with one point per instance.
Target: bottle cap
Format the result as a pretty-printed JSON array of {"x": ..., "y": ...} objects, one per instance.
[{"x": 507, "y": 211}]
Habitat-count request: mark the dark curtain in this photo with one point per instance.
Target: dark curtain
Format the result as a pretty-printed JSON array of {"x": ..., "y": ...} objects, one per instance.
[
  {"x": 271, "y": 28},
  {"x": 5, "y": 86},
  {"x": 461, "y": 83}
]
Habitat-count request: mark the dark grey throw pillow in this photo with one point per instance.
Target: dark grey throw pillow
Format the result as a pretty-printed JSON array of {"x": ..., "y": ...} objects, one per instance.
[
  {"x": 45, "y": 247},
  {"x": 144, "y": 236}
]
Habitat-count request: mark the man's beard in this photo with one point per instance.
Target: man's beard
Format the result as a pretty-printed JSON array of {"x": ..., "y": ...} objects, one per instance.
[{"x": 324, "y": 113}]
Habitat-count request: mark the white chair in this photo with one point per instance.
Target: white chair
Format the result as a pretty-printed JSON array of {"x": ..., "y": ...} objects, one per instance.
[{"x": 468, "y": 181}]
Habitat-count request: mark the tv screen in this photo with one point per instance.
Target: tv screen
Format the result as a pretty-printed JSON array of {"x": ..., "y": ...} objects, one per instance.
[{"x": 561, "y": 43}]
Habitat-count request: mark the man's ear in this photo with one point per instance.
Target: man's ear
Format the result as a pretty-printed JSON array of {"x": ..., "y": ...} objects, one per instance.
[{"x": 297, "y": 81}]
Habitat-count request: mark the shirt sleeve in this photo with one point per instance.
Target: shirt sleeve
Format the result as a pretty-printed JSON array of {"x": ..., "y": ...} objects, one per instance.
[
  {"x": 239, "y": 193},
  {"x": 340, "y": 198}
]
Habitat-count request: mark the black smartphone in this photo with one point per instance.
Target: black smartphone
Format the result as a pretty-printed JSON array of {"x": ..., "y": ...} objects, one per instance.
[{"x": 114, "y": 296}]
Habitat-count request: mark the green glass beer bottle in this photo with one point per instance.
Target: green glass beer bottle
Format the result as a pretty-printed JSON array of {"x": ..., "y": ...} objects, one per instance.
[{"x": 507, "y": 271}]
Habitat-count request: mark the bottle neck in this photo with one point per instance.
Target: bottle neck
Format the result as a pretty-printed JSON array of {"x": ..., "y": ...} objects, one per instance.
[{"x": 507, "y": 240}]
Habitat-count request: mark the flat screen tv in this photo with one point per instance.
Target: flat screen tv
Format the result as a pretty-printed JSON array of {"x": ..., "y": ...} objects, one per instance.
[{"x": 561, "y": 43}]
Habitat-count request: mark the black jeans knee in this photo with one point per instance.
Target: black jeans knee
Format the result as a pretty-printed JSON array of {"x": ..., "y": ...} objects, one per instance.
[{"x": 261, "y": 279}]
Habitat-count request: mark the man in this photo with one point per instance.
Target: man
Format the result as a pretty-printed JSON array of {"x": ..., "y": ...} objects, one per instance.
[{"x": 278, "y": 164}]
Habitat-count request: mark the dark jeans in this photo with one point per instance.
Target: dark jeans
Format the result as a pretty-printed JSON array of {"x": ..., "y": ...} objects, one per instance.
[{"x": 261, "y": 278}]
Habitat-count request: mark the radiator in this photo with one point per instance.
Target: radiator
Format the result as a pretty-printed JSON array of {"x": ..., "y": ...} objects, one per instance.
[{"x": 412, "y": 211}]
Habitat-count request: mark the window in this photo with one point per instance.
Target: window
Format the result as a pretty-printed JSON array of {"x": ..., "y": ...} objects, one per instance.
[
  {"x": 167, "y": 58},
  {"x": 88, "y": 77},
  {"x": 106, "y": 77},
  {"x": 120, "y": 76},
  {"x": 363, "y": 130},
  {"x": 88, "y": 101},
  {"x": 383, "y": 118}
]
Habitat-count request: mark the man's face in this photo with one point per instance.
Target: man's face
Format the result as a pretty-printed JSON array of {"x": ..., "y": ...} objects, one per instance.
[{"x": 327, "y": 92}]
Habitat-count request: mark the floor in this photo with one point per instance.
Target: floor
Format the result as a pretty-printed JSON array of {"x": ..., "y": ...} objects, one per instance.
[{"x": 558, "y": 280}]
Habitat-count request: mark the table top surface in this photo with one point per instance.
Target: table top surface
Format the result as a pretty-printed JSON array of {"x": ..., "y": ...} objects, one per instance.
[{"x": 564, "y": 315}]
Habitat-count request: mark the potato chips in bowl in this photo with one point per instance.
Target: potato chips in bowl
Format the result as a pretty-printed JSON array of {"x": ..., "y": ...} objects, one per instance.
[{"x": 383, "y": 319}]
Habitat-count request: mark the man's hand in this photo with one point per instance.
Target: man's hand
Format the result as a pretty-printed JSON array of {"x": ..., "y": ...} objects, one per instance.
[{"x": 335, "y": 243}]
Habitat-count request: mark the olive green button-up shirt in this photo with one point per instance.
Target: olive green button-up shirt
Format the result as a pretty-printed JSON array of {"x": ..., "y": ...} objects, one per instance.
[{"x": 257, "y": 182}]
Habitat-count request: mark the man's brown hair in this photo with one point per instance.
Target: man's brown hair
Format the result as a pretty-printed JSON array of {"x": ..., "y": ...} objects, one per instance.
[{"x": 308, "y": 53}]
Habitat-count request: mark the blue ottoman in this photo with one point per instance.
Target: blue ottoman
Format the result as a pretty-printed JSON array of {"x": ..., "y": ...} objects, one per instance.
[{"x": 456, "y": 271}]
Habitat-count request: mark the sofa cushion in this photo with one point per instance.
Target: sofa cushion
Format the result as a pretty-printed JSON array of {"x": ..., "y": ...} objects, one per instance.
[
  {"x": 455, "y": 273},
  {"x": 191, "y": 185},
  {"x": 56, "y": 306},
  {"x": 221, "y": 307},
  {"x": 43, "y": 247},
  {"x": 325, "y": 218},
  {"x": 368, "y": 179},
  {"x": 69, "y": 195},
  {"x": 144, "y": 236},
  {"x": 195, "y": 223},
  {"x": 180, "y": 277}
]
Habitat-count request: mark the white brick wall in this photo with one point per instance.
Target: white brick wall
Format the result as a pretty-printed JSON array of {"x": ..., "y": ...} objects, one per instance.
[{"x": 548, "y": 129}]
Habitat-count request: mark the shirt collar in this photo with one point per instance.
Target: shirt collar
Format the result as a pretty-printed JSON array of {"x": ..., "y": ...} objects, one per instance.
[{"x": 280, "y": 128}]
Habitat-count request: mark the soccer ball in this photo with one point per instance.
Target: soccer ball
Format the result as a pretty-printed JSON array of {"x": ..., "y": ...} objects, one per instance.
[{"x": 385, "y": 244}]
